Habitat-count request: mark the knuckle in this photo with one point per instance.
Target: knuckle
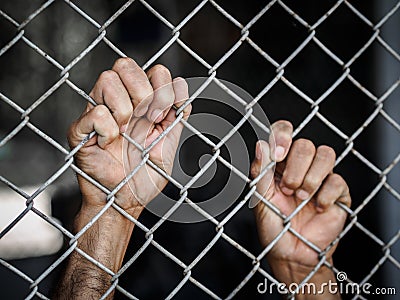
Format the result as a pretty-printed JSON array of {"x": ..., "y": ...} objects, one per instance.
[
  {"x": 292, "y": 181},
  {"x": 124, "y": 117},
  {"x": 326, "y": 152},
  {"x": 304, "y": 147},
  {"x": 323, "y": 203},
  {"x": 159, "y": 69},
  {"x": 337, "y": 180},
  {"x": 311, "y": 183},
  {"x": 124, "y": 63},
  {"x": 100, "y": 111},
  {"x": 108, "y": 76}
]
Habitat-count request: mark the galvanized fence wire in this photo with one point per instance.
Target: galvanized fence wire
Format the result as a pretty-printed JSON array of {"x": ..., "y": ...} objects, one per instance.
[{"x": 314, "y": 104}]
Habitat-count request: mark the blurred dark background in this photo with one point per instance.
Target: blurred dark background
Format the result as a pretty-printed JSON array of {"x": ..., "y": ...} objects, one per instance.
[{"x": 63, "y": 34}]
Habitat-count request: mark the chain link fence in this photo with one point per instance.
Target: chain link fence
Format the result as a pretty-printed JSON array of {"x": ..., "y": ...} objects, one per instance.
[{"x": 383, "y": 116}]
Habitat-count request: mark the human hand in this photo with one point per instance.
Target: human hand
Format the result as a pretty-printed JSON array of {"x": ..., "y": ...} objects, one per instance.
[
  {"x": 302, "y": 171},
  {"x": 139, "y": 104}
]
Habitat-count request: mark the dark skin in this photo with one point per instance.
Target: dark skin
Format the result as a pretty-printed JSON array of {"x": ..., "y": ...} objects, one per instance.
[{"x": 127, "y": 91}]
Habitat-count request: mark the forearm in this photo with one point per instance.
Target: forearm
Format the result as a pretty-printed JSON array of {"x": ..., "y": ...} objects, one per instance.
[
  {"x": 105, "y": 241},
  {"x": 318, "y": 285}
]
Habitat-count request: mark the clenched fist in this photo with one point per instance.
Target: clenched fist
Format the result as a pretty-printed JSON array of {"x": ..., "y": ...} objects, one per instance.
[
  {"x": 302, "y": 172},
  {"x": 138, "y": 104}
]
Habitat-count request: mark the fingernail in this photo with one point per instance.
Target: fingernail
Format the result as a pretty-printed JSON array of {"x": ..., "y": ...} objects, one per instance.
[
  {"x": 258, "y": 151},
  {"x": 279, "y": 152},
  {"x": 302, "y": 194},
  {"x": 123, "y": 128},
  {"x": 155, "y": 115},
  {"x": 287, "y": 191}
]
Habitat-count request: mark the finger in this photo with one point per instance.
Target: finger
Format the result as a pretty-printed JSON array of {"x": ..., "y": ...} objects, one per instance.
[
  {"x": 298, "y": 162},
  {"x": 110, "y": 91},
  {"x": 163, "y": 97},
  {"x": 181, "y": 95},
  {"x": 334, "y": 189},
  {"x": 136, "y": 83},
  {"x": 280, "y": 139},
  {"x": 322, "y": 165},
  {"x": 181, "y": 92},
  {"x": 261, "y": 161},
  {"x": 98, "y": 119}
]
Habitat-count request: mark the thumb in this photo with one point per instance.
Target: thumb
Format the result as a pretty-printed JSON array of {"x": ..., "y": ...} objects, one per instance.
[{"x": 262, "y": 172}]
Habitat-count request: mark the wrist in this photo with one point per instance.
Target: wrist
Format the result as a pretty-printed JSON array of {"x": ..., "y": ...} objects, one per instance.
[
  {"x": 108, "y": 237},
  {"x": 93, "y": 200},
  {"x": 289, "y": 272},
  {"x": 105, "y": 241},
  {"x": 95, "y": 197},
  {"x": 294, "y": 270},
  {"x": 110, "y": 220}
]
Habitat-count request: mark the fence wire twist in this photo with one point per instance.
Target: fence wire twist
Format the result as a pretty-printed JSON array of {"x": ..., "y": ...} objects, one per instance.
[{"x": 314, "y": 104}]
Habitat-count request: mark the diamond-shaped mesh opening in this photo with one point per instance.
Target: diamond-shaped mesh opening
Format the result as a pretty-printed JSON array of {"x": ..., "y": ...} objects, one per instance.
[
  {"x": 55, "y": 107},
  {"x": 215, "y": 270},
  {"x": 346, "y": 120},
  {"x": 279, "y": 102},
  {"x": 151, "y": 265},
  {"x": 85, "y": 74},
  {"x": 177, "y": 57},
  {"x": 72, "y": 33},
  {"x": 24, "y": 157},
  {"x": 26, "y": 82},
  {"x": 207, "y": 42},
  {"x": 240, "y": 67},
  {"x": 364, "y": 175},
  {"x": 315, "y": 59},
  {"x": 137, "y": 31},
  {"x": 361, "y": 259},
  {"x": 340, "y": 26},
  {"x": 278, "y": 33},
  {"x": 11, "y": 278}
]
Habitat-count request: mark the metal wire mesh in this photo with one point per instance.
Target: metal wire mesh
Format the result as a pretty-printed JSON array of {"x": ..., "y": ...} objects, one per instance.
[{"x": 175, "y": 39}]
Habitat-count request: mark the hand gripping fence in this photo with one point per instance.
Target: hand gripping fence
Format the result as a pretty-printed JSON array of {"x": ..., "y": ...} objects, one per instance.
[{"x": 245, "y": 39}]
